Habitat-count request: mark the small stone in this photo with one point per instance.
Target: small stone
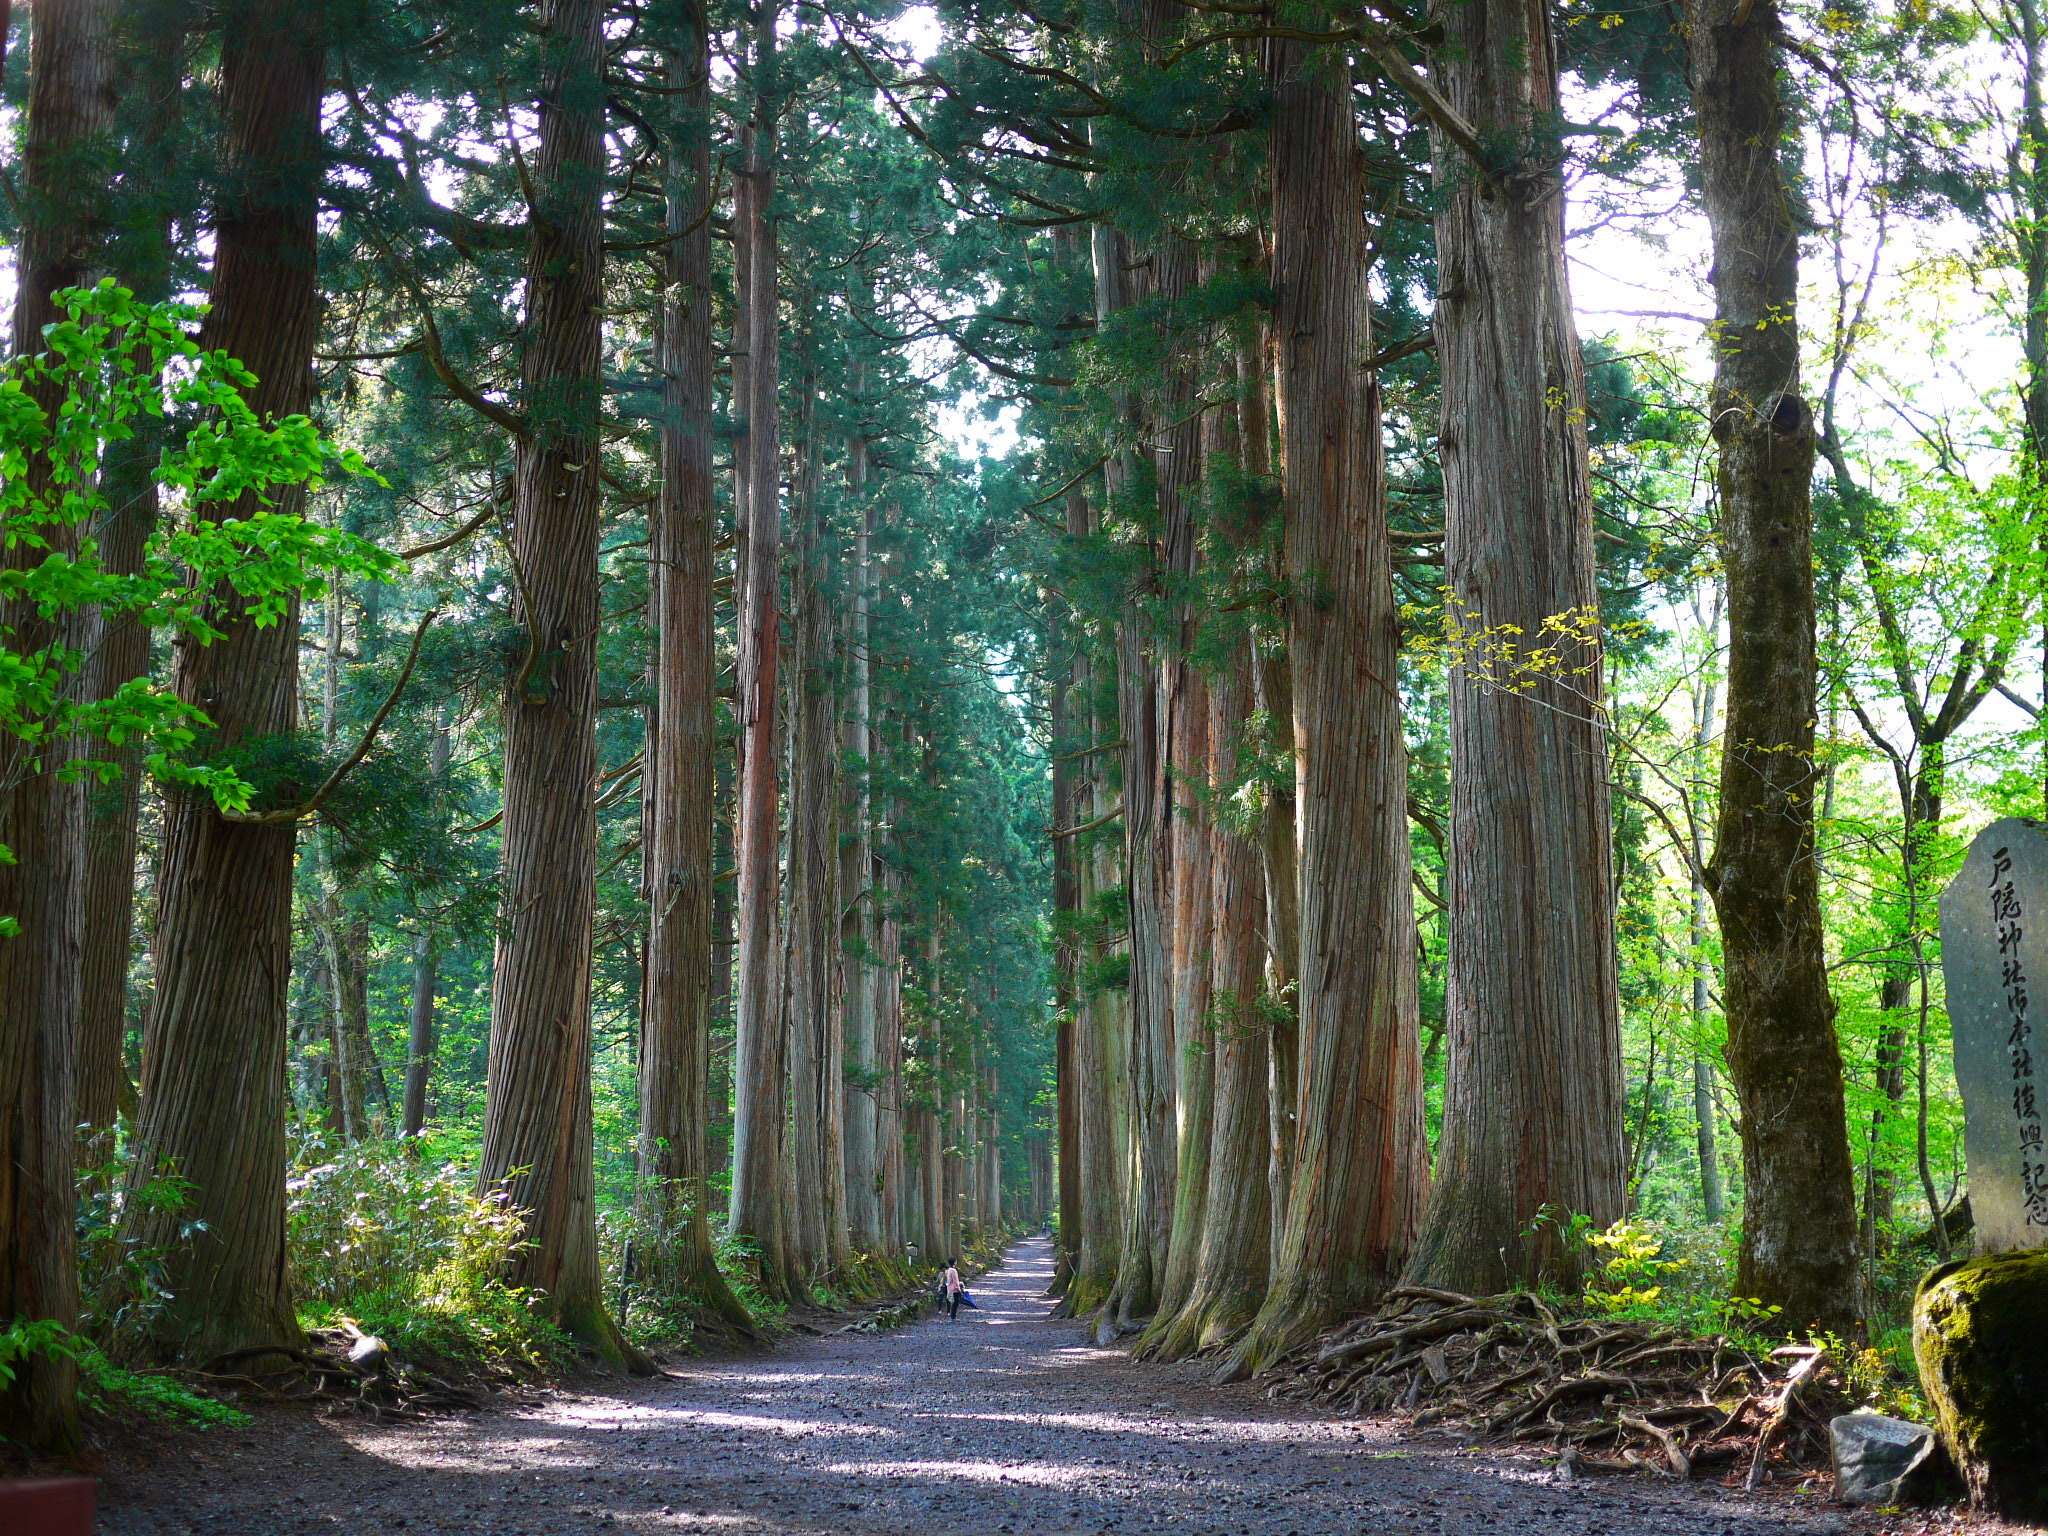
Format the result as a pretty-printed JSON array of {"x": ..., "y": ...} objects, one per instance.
[{"x": 1877, "y": 1458}]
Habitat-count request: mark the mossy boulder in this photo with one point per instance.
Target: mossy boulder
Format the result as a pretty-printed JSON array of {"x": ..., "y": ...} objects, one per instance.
[{"x": 1980, "y": 1335}]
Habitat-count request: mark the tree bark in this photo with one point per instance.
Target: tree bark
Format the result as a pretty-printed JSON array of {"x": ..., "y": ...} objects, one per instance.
[
  {"x": 859, "y": 936},
  {"x": 224, "y": 938},
  {"x": 1098, "y": 1240},
  {"x": 1799, "y": 1219},
  {"x": 1272, "y": 682},
  {"x": 675, "y": 1031},
  {"x": 760, "y": 1102},
  {"x": 1234, "y": 1257},
  {"x": 42, "y": 818},
  {"x": 818, "y": 1180},
  {"x": 1532, "y": 1119},
  {"x": 1148, "y": 1207},
  {"x": 1359, "y": 1165},
  {"x": 537, "y": 1115}
]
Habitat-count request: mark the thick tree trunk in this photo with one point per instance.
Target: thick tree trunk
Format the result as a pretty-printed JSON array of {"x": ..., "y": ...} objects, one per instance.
[
  {"x": 1067, "y": 780},
  {"x": 1532, "y": 1096},
  {"x": 1235, "y": 1242},
  {"x": 1148, "y": 1208},
  {"x": 42, "y": 818},
  {"x": 1184, "y": 736},
  {"x": 1799, "y": 1216},
  {"x": 1098, "y": 1240},
  {"x": 537, "y": 1130},
  {"x": 760, "y": 1102},
  {"x": 1272, "y": 682},
  {"x": 224, "y": 938},
  {"x": 675, "y": 1031},
  {"x": 1359, "y": 1166}
]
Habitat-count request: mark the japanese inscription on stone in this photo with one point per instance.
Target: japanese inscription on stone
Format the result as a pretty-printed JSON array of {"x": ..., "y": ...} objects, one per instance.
[{"x": 1994, "y": 947}]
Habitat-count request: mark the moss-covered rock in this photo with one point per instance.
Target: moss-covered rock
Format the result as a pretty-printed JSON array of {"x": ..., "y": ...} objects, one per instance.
[{"x": 1980, "y": 1335}]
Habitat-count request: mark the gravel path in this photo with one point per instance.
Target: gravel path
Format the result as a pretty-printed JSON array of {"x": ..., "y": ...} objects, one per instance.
[{"x": 1002, "y": 1422}]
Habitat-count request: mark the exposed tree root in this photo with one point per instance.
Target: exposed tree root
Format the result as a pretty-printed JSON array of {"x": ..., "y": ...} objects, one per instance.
[
  {"x": 1608, "y": 1395},
  {"x": 346, "y": 1369}
]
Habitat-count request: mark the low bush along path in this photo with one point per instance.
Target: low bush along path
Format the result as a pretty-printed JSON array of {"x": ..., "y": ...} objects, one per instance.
[{"x": 1005, "y": 1421}]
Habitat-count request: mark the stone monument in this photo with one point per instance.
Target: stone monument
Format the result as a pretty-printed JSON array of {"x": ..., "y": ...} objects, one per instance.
[
  {"x": 1977, "y": 1331},
  {"x": 1994, "y": 951}
]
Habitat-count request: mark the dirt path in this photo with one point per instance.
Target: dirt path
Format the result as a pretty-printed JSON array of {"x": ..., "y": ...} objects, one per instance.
[{"x": 1002, "y": 1422}]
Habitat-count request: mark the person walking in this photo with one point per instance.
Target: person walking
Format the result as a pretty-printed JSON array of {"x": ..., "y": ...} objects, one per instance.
[{"x": 955, "y": 1288}]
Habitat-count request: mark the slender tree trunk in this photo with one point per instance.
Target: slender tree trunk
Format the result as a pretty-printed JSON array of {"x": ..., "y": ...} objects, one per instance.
[
  {"x": 42, "y": 817},
  {"x": 224, "y": 889},
  {"x": 1532, "y": 1095},
  {"x": 759, "y": 1093},
  {"x": 675, "y": 1033},
  {"x": 420, "y": 1045},
  {"x": 537, "y": 1128},
  {"x": 1359, "y": 1166},
  {"x": 1705, "y": 1120},
  {"x": 420, "y": 1033},
  {"x": 1799, "y": 1217}
]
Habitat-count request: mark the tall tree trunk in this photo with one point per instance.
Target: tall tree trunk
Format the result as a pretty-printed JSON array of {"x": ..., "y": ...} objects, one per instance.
[
  {"x": 1799, "y": 1216},
  {"x": 1148, "y": 1210},
  {"x": 859, "y": 933},
  {"x": 1098, "y": 1240},
  {"x": 1235, "y": 1238},
  {"x": 892, "y": 1101},
  {"x": 1359, "y": 1165},
  {"x": 675, "y": 1030},
  {"x": 1067, "y": 778},
  {"x": 818, "y": 1179},
  {"x": 1272, "y": 682},
  {"x": 1532, "y": 1116},
  {"x": 759, "y": 1093},
  {"x": 224, "y": 889},
  {"x": 42, "y": 818},
  {"x": 537, "y": 1130}
]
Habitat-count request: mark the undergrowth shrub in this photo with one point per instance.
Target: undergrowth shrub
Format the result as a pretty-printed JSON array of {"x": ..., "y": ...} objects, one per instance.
[
  {"x": 405, "y": 1248},
  {"x": 647, "y": 1311}
]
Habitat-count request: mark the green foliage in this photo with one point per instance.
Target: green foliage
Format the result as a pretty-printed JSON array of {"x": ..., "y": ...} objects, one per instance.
[
  {"x": 407, "y": 1249},
  {"x": 112, "y": 363},
  {"x": 115, "y": 1391},
  {"x": 106, "y": 1389},
  {"x": 122, "y": 1285}
]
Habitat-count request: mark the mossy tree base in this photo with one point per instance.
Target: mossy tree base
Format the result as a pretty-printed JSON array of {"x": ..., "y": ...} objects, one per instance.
[{"x": 1983, "y": 1357}]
